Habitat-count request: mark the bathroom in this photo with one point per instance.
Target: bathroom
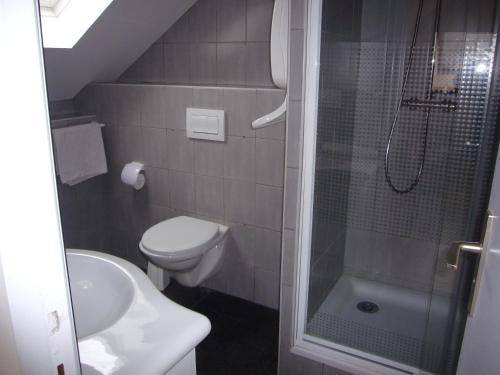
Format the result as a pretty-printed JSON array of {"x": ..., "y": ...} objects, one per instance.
[{"x": 355, "y": 146}]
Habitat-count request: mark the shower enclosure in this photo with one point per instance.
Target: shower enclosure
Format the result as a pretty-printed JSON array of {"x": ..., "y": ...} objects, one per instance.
[{"x": 373, "y": 281}]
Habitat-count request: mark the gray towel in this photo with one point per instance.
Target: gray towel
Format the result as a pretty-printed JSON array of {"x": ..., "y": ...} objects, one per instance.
[{"x": 79, "y": 152}]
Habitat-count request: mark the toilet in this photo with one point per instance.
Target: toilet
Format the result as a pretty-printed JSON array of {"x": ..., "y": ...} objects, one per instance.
[{"x": 184, "y": 248}]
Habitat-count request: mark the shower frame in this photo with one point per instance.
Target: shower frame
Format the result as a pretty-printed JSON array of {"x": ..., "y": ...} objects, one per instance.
[{"x": 336, "y": 355}]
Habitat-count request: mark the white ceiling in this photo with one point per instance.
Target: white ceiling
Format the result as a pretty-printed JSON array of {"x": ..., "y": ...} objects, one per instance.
[{"x": 118, "y": 37}]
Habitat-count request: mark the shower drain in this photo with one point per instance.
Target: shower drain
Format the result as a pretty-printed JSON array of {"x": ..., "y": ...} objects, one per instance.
[{"x": 367, "y": 307}]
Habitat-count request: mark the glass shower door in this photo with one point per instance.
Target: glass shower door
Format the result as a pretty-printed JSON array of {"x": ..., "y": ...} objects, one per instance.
[{"x": 377, "y": 282}]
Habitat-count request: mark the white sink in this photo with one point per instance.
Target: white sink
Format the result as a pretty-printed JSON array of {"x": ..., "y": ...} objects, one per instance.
[{"x": 124, "y": 324}]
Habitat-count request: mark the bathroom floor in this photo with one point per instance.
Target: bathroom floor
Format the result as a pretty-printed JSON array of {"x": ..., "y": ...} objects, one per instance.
[{"x": 244, "y": 335}]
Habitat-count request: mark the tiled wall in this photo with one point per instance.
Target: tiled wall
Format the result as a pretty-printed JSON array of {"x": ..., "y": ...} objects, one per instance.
[
  {"x": 238, "y": 182},
  {"x": 217, "y": 42},
  {"x": 83, "y": 207},
  {"x": 364, "y": 49}
]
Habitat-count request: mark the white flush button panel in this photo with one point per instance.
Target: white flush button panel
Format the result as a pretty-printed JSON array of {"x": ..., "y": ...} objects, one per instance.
[{"x": 205, "y": 124}]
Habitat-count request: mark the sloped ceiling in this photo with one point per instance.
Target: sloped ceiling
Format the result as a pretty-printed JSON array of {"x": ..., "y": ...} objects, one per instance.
[{"x": 118, "y": 37}]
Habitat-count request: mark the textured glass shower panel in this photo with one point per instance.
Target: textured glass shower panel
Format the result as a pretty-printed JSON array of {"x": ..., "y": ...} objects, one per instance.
[{"x": 368, "y": 238}]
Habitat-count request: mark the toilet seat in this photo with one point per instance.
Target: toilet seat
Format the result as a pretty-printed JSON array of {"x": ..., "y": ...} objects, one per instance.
[{"x": 181, "y": 237}]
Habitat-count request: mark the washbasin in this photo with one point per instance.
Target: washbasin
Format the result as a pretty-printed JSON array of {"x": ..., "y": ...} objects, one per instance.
[
  {"x": 101, "y": 293},
  {"x": 124, "y": 325}
]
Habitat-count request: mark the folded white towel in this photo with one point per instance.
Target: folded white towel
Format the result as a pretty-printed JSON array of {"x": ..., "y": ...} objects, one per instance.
[{"x": 79, "y": 152}]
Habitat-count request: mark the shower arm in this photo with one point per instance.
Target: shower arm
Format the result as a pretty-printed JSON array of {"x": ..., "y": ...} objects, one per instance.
[{"x": 271, "y": 118}]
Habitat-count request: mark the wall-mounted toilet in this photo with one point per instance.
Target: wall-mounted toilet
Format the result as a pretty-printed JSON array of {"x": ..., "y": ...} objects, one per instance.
[{"x": 189, "y": 250}]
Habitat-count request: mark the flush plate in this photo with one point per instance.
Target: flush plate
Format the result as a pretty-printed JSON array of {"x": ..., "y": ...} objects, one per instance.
[{"x": 205, "y": 124}]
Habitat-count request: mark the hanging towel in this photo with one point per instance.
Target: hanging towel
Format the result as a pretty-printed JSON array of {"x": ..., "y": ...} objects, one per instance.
[{"x": 79, "y": 152}]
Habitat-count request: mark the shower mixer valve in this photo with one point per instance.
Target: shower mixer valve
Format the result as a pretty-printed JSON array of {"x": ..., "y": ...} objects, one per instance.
[{"x": 445, "y": 105}]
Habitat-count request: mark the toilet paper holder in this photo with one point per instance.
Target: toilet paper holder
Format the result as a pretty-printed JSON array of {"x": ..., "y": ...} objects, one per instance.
[{"x": 132, "y": 175}]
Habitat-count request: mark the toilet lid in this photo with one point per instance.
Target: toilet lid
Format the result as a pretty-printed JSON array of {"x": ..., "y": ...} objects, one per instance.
[{"x": 180, "y": 235}]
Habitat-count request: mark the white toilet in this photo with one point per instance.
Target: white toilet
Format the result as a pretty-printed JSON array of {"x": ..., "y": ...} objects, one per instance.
[{"x": 189, "y": 250}]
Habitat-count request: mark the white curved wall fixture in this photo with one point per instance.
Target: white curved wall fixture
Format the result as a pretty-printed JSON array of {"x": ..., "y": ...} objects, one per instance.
[{"x": 279, "y": 60}]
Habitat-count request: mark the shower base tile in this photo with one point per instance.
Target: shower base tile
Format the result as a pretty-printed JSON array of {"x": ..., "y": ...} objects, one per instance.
[{"x": 395, "y": 331}]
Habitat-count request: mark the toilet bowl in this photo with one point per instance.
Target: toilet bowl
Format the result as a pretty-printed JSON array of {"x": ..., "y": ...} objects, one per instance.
[{"x": 184, "y": 248}]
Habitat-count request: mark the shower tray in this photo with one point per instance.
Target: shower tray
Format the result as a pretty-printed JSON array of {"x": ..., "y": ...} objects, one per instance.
[{"x": 396, "y": 330}]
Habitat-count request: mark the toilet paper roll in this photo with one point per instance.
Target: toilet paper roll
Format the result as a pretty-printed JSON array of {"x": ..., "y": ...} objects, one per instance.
[{"x": 132, "y": 176}]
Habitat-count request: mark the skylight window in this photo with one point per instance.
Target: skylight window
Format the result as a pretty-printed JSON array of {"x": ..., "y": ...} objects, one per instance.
[
  {"x": 64, "y": 22},
  {"x": 52, "y": 8}
]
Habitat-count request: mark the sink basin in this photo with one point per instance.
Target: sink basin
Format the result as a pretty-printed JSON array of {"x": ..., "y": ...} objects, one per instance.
[
  {"x": 101, "y": 293},
  {"x": 124, "y": 325}
]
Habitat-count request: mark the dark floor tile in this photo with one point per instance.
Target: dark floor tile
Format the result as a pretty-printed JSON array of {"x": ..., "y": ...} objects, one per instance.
[
  {"x": 230, "y": 305},
  {"x": 187, "y": 297},
  {"x": 244, "y": 336}
]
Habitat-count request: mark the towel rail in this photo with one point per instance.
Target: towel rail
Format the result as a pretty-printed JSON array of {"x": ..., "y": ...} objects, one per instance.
[{"x": 71, "y": 120}]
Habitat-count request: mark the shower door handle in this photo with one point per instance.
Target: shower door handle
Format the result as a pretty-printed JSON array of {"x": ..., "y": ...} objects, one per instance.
[
  {"x": 469, "y": 247},
  {"x": 475, "y": 248},
  {"x": 457, "y": 248}
]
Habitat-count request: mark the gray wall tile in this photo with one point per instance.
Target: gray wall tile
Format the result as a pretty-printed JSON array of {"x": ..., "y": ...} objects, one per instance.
[
  {"x": 209, "y": 158},
  {"x": 239, "y": 158},
  {"x": 180, "y": 151},
  {"x": 159, "y": 213},
  {"x": 258, "y": 64},
  {"x": 259, "y": 18},
  {"x": 269, "y": 154},
  {"x": 240, "y": 244},
  {"x": 218, "y": 282},
  {"x": 240, "y": 106},
  {"x": 148, "y": 68},
  {"x": 269, "y": 203},
  {"x": 202, "y": 21},
  {"x": 128, "y": 144},
  {"x": 180, "y": 32},
  {"x": 153, "y": 113},
  {"x": 267, "y": 253},
  {"x": 231, "y": 64},
  {"x": 240, "y": 281},
  {"x": 209, "y": 196},
  {"x": 178, "y": 99},
  {"x": 267, "y": 288},
  {"x": 103, "y": 106},
  {"x": 154, "y": 145},
  {"x": 203, "y": 60},
  {"x": 157, "y": 186},
  {"x": 182, "y": 191},
  {"x": 276, "y": 131},
  {"x": 239, "y": 201},
  {"x": 211, "y": 98},
  {"x": 176, "y": 62},
  {"x": 125, "y": 105},
  {"x": 231, "y": 20}
]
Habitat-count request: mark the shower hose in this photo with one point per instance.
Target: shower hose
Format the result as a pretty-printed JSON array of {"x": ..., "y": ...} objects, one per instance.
[{"x": 416, "y": 179}]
